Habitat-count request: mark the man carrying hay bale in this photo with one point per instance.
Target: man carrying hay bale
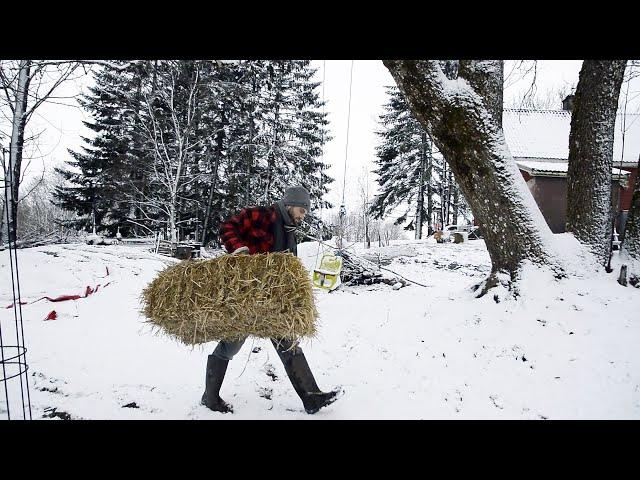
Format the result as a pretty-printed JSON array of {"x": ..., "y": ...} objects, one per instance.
[{"x": 262, "y": 230}]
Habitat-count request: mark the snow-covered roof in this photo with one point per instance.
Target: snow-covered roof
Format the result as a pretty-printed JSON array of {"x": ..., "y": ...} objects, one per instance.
[
  {"x": 544, "y": 135},
  {"x": 556, "y": 169}
]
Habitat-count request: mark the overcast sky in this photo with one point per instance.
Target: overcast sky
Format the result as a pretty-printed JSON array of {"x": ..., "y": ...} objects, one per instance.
[
  {"x": 62, "y": 125},
  {"x": 367, "y": 99}
]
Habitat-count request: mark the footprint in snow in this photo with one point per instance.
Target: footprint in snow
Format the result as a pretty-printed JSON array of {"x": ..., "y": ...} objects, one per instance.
[
  {"x": 497, "y": 401},
  {"x": 265, "y": 392},
  {"x": 271, "y": 372}
]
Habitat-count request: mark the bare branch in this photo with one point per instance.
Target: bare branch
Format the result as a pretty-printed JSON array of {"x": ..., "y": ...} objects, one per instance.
[
  {"x": 36, "y": 185},
  {"x": 532, "y": 88},
  {"x": 6, "y": 85},
  {"x": 60, "y": 80},
  {"x": 62, "y": 104},
  {"x": 108, "y": 64},
  {"x": 140, "y": 225}
]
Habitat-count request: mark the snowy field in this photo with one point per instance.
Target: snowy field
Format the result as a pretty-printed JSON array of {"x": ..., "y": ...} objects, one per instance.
[{"x": 563, "y": 350}]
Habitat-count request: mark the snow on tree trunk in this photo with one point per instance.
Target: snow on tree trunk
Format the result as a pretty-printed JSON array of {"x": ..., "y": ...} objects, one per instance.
[
  {"x": 421, "y": 187},
  {"x": 207, "y": 215},
  {"x": 172, "y": 221},
  {"x": 456, "y": 200},
  {"x": 172, "y": 136},
  {"x": 15, "y": 150},
  {"x": 465, "y": 117},
  {"x": 630, "y": 251},
  {"x": 429, "y": 185},
  {"x": 214, "y": 178},
  {"x": 486, "y": 78},
  {"x": 2, "y": 202},
  {"x": 589, "y": 212},
  {"x": 449, "y": 195}
]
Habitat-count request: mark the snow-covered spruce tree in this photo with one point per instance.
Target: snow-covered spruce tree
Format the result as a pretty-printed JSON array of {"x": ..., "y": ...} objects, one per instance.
[
  {"x": 245, "y": 161},
  {"x": 589, "y": 210},
  {"x": 242, "y": 165},
  {"x": 404, "y": 165},
  {"x": 465, "y": 117},
  {"x": 216, "y": 118},
  {"x": 412, "y": 173},
  {"x": 215, "y": 126},
  {"x": 139, "y": 152},
  {"x": 87, "y": 175},
  {"x": 98, "y": 180},
  {"x": 449, "y": 202},
  {"x": 273, "y": 137},
  {"x": 291, "y": 131},
  {"x": 155, "y": 147}
]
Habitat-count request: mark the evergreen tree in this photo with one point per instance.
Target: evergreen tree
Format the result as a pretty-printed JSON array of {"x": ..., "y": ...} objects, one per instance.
[
  {"x": 412, "y": 174},
  {"x": 180, "y": 145},
  {"x": 405, "y": 165},
  {"x": 292, "y": 131},
  {"x": 96, "y": 187}
]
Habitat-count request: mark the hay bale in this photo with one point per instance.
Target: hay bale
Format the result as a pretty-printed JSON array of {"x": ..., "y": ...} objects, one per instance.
[{"x": 265, "y": 295}]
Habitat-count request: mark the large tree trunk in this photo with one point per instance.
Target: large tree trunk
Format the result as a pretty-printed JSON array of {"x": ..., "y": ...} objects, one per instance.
[
  {"x": 214, "y": 179},
  {"x": 442, "y": 211},
  {"x": 465, "y": 117},
  {"x": 429, "y": 188},
  {"x": 456, "y": 205},
  {"x": 207, "y": 215},
  {"x": 17, "y": 142},
  {"x": 251, "y": 149},
  {"x": 251, "y": 154},
  {"x": 421, "y": 185},
  {"x": 589, "y": 212},
  {"x": 173, "y": 230},
  {"x": 137, "y": 175},
  {"x": 449, "y": 196},
  {"x": 2, "y": 202},
  {"x": 276, "y": 123}
]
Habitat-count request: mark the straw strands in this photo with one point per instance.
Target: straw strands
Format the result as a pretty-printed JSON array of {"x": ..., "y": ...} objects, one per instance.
[{"x": 266, "y": 295}]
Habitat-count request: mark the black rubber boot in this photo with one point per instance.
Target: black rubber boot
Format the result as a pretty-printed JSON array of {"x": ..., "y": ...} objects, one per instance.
[
  {"x": 216, "y": 368},
  {"x": 301, "y": 377},
  {"x": 316, "y": 400}
]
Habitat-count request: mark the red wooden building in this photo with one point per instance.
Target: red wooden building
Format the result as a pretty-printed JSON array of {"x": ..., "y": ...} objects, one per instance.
[{"x": 539, "y": 143}]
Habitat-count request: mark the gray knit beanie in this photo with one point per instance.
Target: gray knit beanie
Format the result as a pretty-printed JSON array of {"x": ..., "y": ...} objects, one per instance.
[{"x": 297, "y": 197}]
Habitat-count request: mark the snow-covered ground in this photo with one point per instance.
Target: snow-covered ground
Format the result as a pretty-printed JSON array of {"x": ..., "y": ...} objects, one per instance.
[{"x": 563, "y": 350}]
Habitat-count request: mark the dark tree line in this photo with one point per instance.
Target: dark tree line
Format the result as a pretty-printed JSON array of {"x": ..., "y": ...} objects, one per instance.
[{"x": 180, "y": 145}]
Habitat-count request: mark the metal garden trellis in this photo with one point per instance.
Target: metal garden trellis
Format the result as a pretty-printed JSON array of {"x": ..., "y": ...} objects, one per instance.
[{"x": 13, "y": 357}]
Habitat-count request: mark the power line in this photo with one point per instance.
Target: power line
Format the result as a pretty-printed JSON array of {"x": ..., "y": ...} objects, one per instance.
[{"x": 346, "y": 150}]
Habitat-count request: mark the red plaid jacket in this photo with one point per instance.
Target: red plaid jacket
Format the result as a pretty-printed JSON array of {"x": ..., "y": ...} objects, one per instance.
[{"x": 252, "y": 227}]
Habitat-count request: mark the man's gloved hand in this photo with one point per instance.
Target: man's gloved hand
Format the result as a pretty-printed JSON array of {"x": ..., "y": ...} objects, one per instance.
[{"x": 240, "y": 251}]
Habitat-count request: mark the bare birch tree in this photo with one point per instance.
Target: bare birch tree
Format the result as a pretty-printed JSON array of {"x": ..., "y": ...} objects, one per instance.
[
  {"x": 170, "y": 125},
  {"x": 26, "y": 85}
]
